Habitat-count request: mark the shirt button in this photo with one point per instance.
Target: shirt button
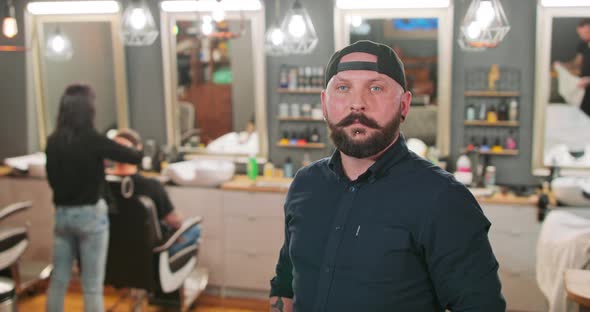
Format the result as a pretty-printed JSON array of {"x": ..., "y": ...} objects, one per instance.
[
  {"x": 338, "y": 228},
  {"x": 352, "y": 189}
]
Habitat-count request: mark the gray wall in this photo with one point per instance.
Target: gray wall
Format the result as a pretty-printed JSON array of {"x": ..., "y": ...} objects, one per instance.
[
  {"x": 146, "y": 95},
  {"x": 13, "y": 110},
  {"x": 321, "y": 13},
  {"x": 145, "y": 86},
  {"x": 518, "y": 51}
]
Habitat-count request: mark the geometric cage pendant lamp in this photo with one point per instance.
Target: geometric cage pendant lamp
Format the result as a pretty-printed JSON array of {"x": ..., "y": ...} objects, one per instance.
[
  {"x": 485, "y": 25},
  {"x": 300, "y": 36}
]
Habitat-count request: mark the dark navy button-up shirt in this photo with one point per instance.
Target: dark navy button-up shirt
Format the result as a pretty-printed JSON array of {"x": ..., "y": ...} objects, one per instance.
[{"x": 405, "y": 236}]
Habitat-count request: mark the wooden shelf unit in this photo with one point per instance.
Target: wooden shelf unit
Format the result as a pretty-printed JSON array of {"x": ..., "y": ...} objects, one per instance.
[
  {"x": 499, "y": 123},
  {"x": 307, "y": 145},
  {"x": 505, "y": 152},
  {"x": 487, "y": 93}
]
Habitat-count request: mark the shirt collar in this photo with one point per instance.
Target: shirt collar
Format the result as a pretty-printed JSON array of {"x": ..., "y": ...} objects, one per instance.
[{"x": 390, "y": 157}]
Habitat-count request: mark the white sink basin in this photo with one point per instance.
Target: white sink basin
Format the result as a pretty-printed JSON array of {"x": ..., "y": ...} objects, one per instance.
[
  {"x": 570, "y": 190},
  {"x": 201, "y": 172}
]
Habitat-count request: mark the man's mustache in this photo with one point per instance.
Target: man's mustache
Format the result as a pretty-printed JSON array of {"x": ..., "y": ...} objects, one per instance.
[{"x": 361, "y": 118}]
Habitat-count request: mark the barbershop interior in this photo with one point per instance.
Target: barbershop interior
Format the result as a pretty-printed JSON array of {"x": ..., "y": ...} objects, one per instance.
[{"x": 223, "y": 99}]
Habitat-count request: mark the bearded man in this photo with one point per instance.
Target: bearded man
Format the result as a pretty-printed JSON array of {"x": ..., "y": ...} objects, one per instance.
[{"x": 375, "y": 227}]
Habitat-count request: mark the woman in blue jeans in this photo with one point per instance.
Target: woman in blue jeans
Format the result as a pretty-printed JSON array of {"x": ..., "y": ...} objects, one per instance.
[{"x": 75, "y": 171}]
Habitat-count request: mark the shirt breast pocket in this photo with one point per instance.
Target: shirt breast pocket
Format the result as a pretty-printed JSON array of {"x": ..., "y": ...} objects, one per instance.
[{"x": 382, "y": 252}]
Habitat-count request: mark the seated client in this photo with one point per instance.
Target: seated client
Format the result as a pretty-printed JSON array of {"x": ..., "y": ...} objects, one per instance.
[{"x": 152, "y": 188}]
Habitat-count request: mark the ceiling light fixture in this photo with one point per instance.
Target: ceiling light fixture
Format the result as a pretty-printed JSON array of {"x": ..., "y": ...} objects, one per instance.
[
  {"x": 274, "y": 38},
  {"x": 9, "y": 25},
  {"x": 300, "y": 35},
  {"x": 58, "y": 47},
  {"x": 485, "y": 24},
  {"x": 139, "y": 28}
]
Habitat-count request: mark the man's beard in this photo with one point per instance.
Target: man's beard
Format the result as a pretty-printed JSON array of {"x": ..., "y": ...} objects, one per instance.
[{"x": 370, "y": 146}]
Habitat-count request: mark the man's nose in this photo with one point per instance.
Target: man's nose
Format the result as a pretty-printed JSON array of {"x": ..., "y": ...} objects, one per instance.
[{"x": 358, "y": 103}]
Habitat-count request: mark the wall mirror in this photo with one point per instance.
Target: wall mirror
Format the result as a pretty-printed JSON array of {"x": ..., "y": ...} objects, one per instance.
[
  {"x": 423, "y": 39},
  {"x": 215, "y": 80},
  {"x": 562, "y": 128},
  {"x": 76, "y": 48}
]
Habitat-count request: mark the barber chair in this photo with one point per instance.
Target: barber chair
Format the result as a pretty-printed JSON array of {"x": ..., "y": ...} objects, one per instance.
[
  {"x": 139, "y": 258},
  {"x": 14, "y": 241}
]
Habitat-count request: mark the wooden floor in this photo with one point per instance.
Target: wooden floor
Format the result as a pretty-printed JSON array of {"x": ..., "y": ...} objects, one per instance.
[{"x": 205, "y": 303}]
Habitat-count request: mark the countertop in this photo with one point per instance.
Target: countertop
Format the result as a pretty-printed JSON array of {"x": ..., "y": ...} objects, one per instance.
[{"x": 281, "y": 185}]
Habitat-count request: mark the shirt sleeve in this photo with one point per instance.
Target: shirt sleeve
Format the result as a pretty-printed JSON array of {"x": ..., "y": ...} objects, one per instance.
[
  {"x": 162, "y": 201},
  {"x": 281, "y": 284},
  {"x": 459, "y": 256},
  {"x": 107, "y": 148}
]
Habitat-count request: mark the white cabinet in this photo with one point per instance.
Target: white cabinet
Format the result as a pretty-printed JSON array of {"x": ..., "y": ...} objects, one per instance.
[
  {"x": 242, "y": 233},
  {"x": 513, "y": 236},
  {"x": 253, "y": 236}
]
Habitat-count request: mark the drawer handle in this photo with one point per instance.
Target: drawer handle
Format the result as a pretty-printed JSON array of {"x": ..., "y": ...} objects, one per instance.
[
  {"x": 251, "y": 254},
  {"x": 251, "y": 218}
]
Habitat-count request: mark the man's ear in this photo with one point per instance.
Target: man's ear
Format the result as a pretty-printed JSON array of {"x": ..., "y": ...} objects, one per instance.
[{"x": 139, "y": 147}]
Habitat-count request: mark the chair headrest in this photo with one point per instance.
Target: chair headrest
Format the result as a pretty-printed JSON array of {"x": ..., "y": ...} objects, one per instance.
[{"x": 127, "y": 186}]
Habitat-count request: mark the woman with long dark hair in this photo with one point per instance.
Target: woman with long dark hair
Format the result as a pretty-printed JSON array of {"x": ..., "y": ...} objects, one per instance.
[{"x": 75, "y": 171}]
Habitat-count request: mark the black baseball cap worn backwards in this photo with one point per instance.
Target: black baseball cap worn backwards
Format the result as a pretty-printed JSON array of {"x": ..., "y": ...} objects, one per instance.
[{"x": 388, "y": 63}]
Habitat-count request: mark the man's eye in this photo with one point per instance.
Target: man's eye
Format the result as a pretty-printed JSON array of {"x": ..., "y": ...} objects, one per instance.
[
  {"x": 376, "y": 89},
  {"x": 342, "y": 88}
]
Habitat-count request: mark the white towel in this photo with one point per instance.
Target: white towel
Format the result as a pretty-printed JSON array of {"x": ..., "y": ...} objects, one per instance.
[
  {"x": 567, "y": 86},
  {"x": 564, "y": 243}
]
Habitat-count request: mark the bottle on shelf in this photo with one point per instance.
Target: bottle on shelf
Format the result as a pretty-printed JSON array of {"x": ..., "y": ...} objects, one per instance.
[
  {"x": 293, "y": 139},
  {"x": 293, "y": 78},
  {"x": 492, "y": 115},
  {"x": 482, "y": 111},
  {"x": 288, "y": 168},
  {"x": 284, "y": 77},
  {"x": 470, "y": 113},
  {"x": 283, "y": 110},
  {"x": 472, "y": 145},
  {"x": 315, "y": 136},
  {"x": 503, "y": 112},
  {"x": 513, "y": 110},
  {"x": 295, "y": 110},
  {"x": 284, "y": 139},
  {"x": 484, "y": 147},
  {"x": 302, "y": 139},
  {"x": 497, "y": 147},
  {"x": 510, "y": 141},
  {"x": 490, "y": 177},
  {"x": 301, "y": 83}
]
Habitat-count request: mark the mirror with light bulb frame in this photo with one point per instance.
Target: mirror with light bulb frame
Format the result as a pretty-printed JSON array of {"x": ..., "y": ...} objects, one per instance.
[
  {"x": 561, "y": 135},
  {"x": 215, "y": 84},
  {"x": 430, "y": 113},
  {"x": 76, "y": 48}
]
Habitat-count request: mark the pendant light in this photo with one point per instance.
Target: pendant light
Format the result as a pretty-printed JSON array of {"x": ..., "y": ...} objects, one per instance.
[
  {"x": 9, "y": 25},
  {"x": 485, "y": 24},
  {"x": 300, "y": 35},
  {"x": 274, "y": 38},
  {"x": 58, "y": 47},
  {"x": 139, "y": 28}
]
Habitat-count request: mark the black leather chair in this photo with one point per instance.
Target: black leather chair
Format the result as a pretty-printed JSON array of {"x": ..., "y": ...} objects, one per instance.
[
  {"x": 14, "y": 241},
  {"x": 139, "y": 257}
]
